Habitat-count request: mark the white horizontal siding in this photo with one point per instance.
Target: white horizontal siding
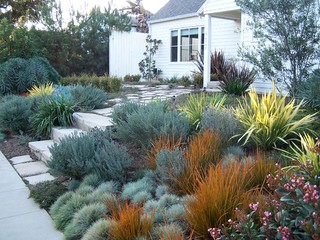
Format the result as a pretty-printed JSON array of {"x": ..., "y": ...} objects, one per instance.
[
  {"x": 216, "y": 6},
  {"x": 126, "y": 51},
  {"x": 225, "y": 37}
]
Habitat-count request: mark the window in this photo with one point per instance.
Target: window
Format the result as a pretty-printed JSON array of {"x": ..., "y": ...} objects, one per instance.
[
  {"x": 174, "y": 46},
  {"x": 186, "y": 43}
]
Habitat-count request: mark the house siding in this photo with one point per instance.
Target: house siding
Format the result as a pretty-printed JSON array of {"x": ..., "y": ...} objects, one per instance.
[
  {"x": 126, "y": 51},
  {"x": 215, "y": 6},
  {"x": 225, "y": 36}
]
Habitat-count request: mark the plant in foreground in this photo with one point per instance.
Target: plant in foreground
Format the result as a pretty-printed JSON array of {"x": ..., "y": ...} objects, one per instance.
[
  {"x": 269, "y": 121},
  {"x": 43, "y": 89},
  {"x": 291, "y": 211}
]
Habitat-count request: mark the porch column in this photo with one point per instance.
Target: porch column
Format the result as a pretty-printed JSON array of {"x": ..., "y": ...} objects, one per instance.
[{"x": 207, "y": 50}]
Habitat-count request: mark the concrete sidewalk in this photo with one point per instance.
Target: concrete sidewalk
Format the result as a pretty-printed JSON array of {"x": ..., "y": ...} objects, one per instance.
[{"x": 20, "y": 217}]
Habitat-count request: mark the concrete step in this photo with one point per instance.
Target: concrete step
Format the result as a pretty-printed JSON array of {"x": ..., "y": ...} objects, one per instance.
[
  {"x": 31, "y": 168},
  {"x": 44, "y": 177},
  {"x": 58, "y": 133},
  {"x": 41, "y": 149},
  {"x": 107, "y": 112},
  {"x": 87, "y": 121},
  {"x": 21, "y": 159}
]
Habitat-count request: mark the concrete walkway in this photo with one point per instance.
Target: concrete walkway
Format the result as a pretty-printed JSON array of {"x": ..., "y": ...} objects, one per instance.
[{"x": 20, "y": 217}]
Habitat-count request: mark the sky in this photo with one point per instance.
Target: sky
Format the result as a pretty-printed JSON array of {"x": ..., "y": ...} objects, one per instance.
[{"x": 151, "y": 5}]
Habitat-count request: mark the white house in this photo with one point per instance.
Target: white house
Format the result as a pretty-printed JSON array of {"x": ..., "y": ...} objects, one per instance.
[{"x": 187, "y": 27}]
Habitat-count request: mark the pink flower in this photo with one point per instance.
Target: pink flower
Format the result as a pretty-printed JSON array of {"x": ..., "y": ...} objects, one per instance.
[
  {"x": 285, "y": 232},
  {"x": 254, "y": 206}
]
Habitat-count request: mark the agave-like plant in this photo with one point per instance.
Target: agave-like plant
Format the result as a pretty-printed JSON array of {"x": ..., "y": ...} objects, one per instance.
[
  {"x": 196, "y": 104},
  {"x": 269, "y": 121}
]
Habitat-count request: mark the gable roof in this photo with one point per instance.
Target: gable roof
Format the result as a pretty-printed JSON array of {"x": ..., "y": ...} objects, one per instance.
[{"x": 175, "y": 8}]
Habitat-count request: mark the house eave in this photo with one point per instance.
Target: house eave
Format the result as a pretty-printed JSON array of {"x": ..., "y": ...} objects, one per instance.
[{"x": 174, "y": 18}]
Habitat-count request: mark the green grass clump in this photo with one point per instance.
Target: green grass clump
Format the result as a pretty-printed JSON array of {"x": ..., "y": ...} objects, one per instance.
[{"x": 98, "y": 231}]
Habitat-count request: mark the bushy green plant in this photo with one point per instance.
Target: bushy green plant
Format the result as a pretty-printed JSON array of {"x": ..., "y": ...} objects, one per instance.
[
  {"x": 309, "y": 91},
  {"x": 198, "y": 80},
  {"x": 149, "y": 122},
  {"x": 61, "y": 201},
  {"x": 196, "y": 104},
  {"x": 92, "y": 180},
  {"x": 43, "y": 89},
  {"x": 50, "y": 113},
  {"x": 15, "y": 113},
  {"x": 170, "y": 232},
  {"x": 291, "y": 211},
  {"x": 268, "y": 121},
  {"x": 120, "y": 113},
  {"x": 222, "y": 121},
  {"x": 237, "y": 79},
  {"x": 46, "y": 193},
  {"x": 111, "y": 162},
  {"x": 98, "y": 231},
  {"x": 87, "y": 98},
  {"x": 83, "y": 219},
  {"x": 132, "y": 78},
  {"x": 18, "y": 75},
  {"x": 185, "y": 81}
]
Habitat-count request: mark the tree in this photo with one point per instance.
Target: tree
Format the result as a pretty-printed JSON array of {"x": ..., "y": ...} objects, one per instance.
[
  {"x": 288, "y": 39},
  {"x": 20, "y": 11},
  {"x": 142, "y": 15}
]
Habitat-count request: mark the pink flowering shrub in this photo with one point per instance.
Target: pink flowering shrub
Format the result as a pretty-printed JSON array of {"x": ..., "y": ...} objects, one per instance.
[{"x": 290, "y": 211}]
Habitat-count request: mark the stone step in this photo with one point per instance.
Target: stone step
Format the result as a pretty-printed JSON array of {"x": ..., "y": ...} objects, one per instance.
[
  {"x": 44, "y": 177},
  {"x": 87, "y": 121},
  {"x": 31, "y": 168},
  {"x": 107, "y": 112},
  {"x": 21, "y": 159},
  {"x": 57, "y": 133},
  {"x": 41, "y": 149}
]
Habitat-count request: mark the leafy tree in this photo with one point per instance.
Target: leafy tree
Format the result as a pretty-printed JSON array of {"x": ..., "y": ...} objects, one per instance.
[
  {"x": 288, "y": 38},
  {"x": 20, "y": 11},
  {"x": 142, "y": 15}
]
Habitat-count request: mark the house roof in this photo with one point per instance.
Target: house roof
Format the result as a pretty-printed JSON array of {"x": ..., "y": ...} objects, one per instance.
[{"x": 176, "y": 8}]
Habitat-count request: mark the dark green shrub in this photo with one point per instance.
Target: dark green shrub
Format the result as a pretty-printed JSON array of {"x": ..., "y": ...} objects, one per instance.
[
  {"x": 132, "y": 78},
  {"x": 46, "y": 193},
  {"x": 87, "y": 98},
  {"x": 237, "y": 79},
  {"x": 15, "y": 113},
  {"x": 120, "y": 113},
  {"x": 151, "y": 121},
  {"x": 309, "y": 91},
  {"x": 50, "y": 113},
  {"x": 17, "y": 75},
  {"x": 222, "y": 121},
  {"x": 114, "y": 84},
  {"x": 198, "y": 80}
]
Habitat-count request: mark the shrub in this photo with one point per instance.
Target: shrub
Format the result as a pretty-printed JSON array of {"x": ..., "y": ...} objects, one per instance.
[
  {"x": 309, "y": 91},
  {"x": 163, "y": 142},
  {"x": 269, "y": 121},
  {"x": 106, "y": 83},
  {"x": 111, "y": 162},
  {"x": 15, "y": 113},
  {"x": 83, "y": 219},
  {"x": 61, "y": 201},
  {"x": 196, "y": 104},
  {"x": 71, "y": 156},
  {"x": 304, "y": 153},
  {"x": 221, "y": 121},
  {"x": 129, "y": 222},
  {"x": 51, "y": 113},
  {"x": 46, "y": 193},
  {"x": 198, "y": 80},
  {"x": 18, "y": 75},
  {"x": 120, "y": 113},
  {"x": 92, "y": 180},
  {"x": 87, "y": 98},
  {"x": 43, "y": 89},
  {"x": 218, "y": 194},
  {"x": 98, "y": 230},
  {"x": 132, "y": 78},
  {"x": 149, "y": 122},
  {"x": 290, "y": 211},
  {"x": 236, "y": 80},
  {"x": 185, "y": 81}
]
